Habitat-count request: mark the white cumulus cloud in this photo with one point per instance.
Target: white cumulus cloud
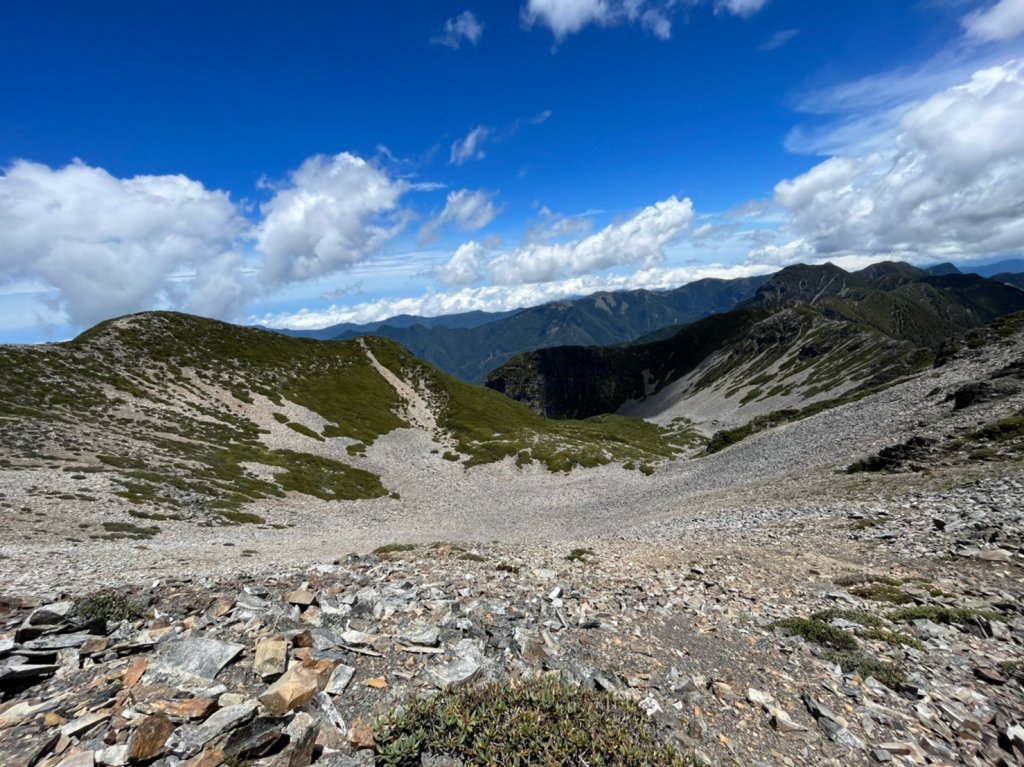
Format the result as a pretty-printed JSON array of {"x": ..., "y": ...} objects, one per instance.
[
  {"x": 951, "y": 184},
  {"x": 638, "y": 240},
  {"x": 464, "y": 267},
  {"x": 333, "y": 213},
  {"x": 466, "y": 209},
  {"x": 111, "y": 245},
  {"x": 464, "y": 27},
  {"x": 1002, "y": 21}
]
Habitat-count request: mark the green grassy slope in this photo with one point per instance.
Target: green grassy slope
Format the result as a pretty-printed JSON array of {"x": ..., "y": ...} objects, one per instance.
[{"x": 163, "y": 402}]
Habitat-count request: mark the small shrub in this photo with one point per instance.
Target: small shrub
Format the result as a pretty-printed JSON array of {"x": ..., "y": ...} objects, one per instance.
[
  {"x": 110, "y": 606},
  {"x": 947, "y": 615},
  {"x": 580, "y": 555},
  {"x": 860, "y": 617},
  {"x": 856, "y": 663},
  {"x": 539, "y": 722},
  {"x": 818, "y": 632},
  {"x": 882, "y": 592},
  {"x": 857, "y": 579},
  {"x": 394, "y": 548}
]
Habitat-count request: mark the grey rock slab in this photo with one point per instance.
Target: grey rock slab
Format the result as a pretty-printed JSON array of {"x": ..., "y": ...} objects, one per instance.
[
  {"x": 421, "y": 637},
  {"x": 55, "y": 612},
  {"x": 26, "y": 671},
  {"x": 324, "y": 707},
  {"x": 340, "y": 678},
  {"x": 462, "y": 670},
  {"x": 196, "y": 656},
  {"x": 59, "y": 641},
  {"x": 189, "y": 739},
  {"x": 254, "y": 739},
  {"x": 81, "y": 759},
  {"x": 84, "y": 723}
]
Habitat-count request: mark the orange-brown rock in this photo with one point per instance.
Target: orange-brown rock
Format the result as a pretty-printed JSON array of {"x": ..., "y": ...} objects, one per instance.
[{"x": 147, "y": 742}]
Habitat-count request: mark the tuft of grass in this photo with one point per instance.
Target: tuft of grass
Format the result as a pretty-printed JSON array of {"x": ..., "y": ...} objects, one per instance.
[
  {"x": 469, "y": 556},
  {"x": 539, "y": 722}
]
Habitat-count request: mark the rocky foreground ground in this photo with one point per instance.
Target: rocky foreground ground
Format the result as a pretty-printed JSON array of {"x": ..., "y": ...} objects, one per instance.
[{"x": 888, "y": 629}]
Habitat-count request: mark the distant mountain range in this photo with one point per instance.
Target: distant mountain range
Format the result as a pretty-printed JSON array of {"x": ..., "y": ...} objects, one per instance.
[
  {"x": 470, "y": 345},
  {"x": 809, "y": 332}
]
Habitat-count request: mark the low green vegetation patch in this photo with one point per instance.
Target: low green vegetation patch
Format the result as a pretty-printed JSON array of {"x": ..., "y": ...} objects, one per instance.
[
  {"x": 119, "y": 530},
  {"x": 857, "y": 579},
  {"x": 865, "y": 666},
  {"x": 111, "y": 606},
  {"x": 516, "y": 724},
  {"x": 842, "y": 648},
  {"x": 947, "y": 615},
  {"x": 581, "y": 555},
  {"x": 882, "y": 592},
  {"x": 304, "y": 431},
  {"x": 394, "y": 548},
  {"x": 818, "y": 632}
]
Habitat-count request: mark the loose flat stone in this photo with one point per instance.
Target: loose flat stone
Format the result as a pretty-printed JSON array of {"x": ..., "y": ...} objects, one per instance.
[
  {"x": 53, "y": 613},
  {"x": 195, "y": 655},
  {"x": 995, "y": 555},
  {"x": 339, "y": 679},
  {"x": 186, "y": 708},
  {"x": 424, "y": 637},
  {"x": 271, "y": 657},
  {"x": 462, "y": 670},
  {"x": 114, "y": 756},
  {"x": 149, "y": 739},
  {"x": 358, "y": 638},
  {"x": 990, "y": 675},
  {"x": 296, "y": 688},
  {"x": 83, "y": 723},
  {"x": 189, "y": 739},
  {"x": 26, "y": 671},
  {"x": 300, "y": 597},
  {"x": 60, "y": 641},
  {"x": 81, "y": 759},
  {"x": 254, "y": 739}
]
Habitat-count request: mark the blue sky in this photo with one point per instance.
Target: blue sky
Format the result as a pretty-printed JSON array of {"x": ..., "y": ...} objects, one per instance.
[{"x": 321, "y": 162}]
